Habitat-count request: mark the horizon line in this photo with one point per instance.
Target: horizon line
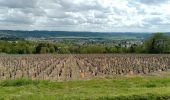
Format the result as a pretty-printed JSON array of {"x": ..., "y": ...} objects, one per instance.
[{"x": 90, "y": 31}]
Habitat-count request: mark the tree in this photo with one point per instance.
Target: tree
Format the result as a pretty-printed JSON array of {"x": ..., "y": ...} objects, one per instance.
[
  {"x": 64, "y": 51},
  {"x": 158, "y": 43},
  {"x": 52, "y": 49},
  {"x": 43, "y": 50},
  {"x": 38, "y": 47},
  {"x": 30, "y": 50}
]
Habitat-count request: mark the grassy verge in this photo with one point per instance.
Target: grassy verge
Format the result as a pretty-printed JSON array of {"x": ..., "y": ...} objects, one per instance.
[{"x": 117, "y": 88}]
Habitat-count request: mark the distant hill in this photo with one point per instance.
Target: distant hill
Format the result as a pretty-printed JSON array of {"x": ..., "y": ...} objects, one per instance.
[{"x": 65, "y": 34}]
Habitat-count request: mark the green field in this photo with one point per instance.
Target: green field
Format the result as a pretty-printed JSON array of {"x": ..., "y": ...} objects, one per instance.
[{"x": 108, "y": 88}]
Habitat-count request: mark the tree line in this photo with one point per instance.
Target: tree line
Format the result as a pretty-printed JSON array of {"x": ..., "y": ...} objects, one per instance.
[{"x": 158, "y": 43}]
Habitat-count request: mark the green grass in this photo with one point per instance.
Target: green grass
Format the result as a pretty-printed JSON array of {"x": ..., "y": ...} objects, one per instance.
[{"x": 115, "y": 88}]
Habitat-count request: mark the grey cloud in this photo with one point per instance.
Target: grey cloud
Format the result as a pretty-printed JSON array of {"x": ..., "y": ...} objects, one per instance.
[
  {"x": 93, "y": 15},
  {"x": 153, "y": 21},
  {"x": 156, "y": 22},
  {"x": 82, "y": 5},
  {"x": 35, "y": 11},
  {"x": 153, "y": 2},
  {"x": 16, "y": 17},
  {"x": 18, "y": 3}
]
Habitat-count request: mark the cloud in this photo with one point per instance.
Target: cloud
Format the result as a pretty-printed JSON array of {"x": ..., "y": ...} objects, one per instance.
[
  {"x": 153, "y": 2},
  {"x": 16, "y": 17},
  {"x": 18, "y": 3},
  {"x": 85, "y": 15}
]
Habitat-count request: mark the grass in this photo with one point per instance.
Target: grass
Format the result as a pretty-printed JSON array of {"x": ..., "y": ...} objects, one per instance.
[{"x": 110, "y": 88}]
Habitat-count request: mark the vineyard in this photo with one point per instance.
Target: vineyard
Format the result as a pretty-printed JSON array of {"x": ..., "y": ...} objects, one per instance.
[{"x": 79, "y": 66}]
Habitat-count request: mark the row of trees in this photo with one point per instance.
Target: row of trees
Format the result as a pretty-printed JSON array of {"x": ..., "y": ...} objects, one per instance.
[
  {"x": 158, "y": 43},
  {"x": 27, "y": 47}
]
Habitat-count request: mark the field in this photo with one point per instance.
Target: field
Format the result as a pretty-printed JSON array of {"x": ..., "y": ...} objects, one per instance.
[
  {"x": 152, "y": 87},
  {"x": 85, "y": 77},
  {"x": 74, "y": 67}
]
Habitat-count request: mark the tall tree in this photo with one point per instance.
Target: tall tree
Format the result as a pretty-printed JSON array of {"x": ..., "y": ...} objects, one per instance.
[{"x": 158, "y": 43}]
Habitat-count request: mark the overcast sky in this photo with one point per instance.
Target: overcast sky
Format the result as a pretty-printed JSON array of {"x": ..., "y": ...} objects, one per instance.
[{"x": 86, "y": 15}]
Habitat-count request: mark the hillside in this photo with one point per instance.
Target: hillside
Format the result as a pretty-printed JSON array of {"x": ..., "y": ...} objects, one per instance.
[{"x": 66, "y": 34}]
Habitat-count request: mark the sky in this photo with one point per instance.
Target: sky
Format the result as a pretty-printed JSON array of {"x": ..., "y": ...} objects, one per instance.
[{"x": 86, "y": 15}]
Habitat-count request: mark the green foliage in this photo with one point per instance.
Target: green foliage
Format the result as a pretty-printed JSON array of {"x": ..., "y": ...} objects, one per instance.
[
  {"x": 158, "y": 43},
  {"x": 52, "y": 49},
  {"x": 64, "y": 50},
  {"x": 92, "y": 49},
  {"x": 43, "y": 50}
]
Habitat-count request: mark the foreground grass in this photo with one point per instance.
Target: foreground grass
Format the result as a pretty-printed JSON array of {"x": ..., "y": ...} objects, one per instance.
[{"x": 120, "y": 88}]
